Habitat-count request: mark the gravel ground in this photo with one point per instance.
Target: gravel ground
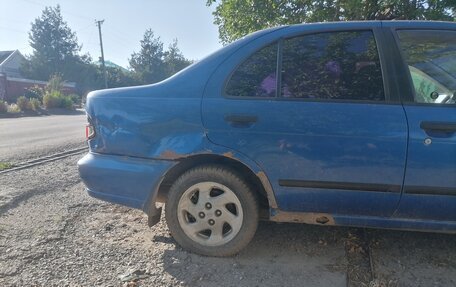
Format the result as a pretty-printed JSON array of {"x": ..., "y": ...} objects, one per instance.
[{"x": 53, "y": 234}]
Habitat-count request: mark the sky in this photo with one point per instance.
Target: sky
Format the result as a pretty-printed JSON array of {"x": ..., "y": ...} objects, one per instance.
[{"x": 188, "y": 21}]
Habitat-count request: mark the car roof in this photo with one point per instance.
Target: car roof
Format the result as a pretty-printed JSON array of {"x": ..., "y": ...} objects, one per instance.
[
  {"x": 293, "y": 30},
  {"x": 205, "y": 67},
  {"x": 376, "y": 23},
  {"x": 419, "y": 24}
]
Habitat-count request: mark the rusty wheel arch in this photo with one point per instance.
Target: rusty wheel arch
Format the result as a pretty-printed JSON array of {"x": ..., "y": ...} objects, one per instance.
[{"x": 258, "y": 182}]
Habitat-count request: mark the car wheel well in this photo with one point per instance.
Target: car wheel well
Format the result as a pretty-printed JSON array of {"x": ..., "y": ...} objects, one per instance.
[{"x": 185, "y": 164}]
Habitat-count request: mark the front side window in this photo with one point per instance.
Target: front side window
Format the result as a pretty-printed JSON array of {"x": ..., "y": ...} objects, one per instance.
[
  {"x": 335, "y": 66},
  {"x": 256, "y": 76},
  {"x": 431, "y": 58}
]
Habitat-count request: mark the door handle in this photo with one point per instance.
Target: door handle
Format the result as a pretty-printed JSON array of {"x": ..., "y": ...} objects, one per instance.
[
  {"x": 243, "y": 120},
  {"x": 447, "y": 127}
]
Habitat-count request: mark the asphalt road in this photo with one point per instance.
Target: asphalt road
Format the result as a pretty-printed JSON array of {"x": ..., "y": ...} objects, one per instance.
[{"x": 32, "y": 137}]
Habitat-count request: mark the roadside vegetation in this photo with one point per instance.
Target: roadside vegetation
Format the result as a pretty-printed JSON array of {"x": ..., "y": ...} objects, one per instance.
[
  {"x": 36, "y": 99},
  {"x": 5, "y": 165}
]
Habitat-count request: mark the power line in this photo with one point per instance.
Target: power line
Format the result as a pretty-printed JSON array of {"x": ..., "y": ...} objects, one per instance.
[
  {"x": 63, "y": 11},
  {"x": 84, "y": 28},
  {"x": 121, "y": 36},
  {"x": 13, "y": 30}
]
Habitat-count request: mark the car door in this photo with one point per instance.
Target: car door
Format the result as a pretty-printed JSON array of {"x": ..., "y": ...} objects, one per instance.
[
  {"x": 331, "y": 139},
  {"x": 430, "y": 178}
]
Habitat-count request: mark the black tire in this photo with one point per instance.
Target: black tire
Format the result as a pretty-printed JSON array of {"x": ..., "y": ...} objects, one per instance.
[{"x": 237, "y": 185}]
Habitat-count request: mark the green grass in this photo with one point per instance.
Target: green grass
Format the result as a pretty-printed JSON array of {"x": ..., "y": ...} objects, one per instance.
[{"x": 5, "y": 165}]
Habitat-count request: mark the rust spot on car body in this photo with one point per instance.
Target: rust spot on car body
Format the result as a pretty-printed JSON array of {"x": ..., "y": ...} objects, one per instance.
[
  {"x": 303, "y": 217},
  {"x": 229, "y": 154},
  {"x": 268, "y": 188},
  {"x": 169, "y": 154}
]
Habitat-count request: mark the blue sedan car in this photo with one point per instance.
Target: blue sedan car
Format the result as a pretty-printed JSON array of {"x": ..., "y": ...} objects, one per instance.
[{"x": 349, "y": 124}]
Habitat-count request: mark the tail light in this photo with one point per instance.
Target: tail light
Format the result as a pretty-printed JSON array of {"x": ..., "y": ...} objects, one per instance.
[{"x": 90, "y": 131}]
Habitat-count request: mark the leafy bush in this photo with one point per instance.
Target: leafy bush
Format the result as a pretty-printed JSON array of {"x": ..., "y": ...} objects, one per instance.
[
  {"x": 35, "y": 92},
  {"x": 67, "y": 103},
  {"x": 14, "y": 109},
  {"x": 35, "y": 104},
  {"x": 23, "y": 103},
  {"x": 3, "y": 107},
  {"x": 52, "y": 99},
  {"x": 75, "y": 98},
  {"x": 56, "y": 99}
]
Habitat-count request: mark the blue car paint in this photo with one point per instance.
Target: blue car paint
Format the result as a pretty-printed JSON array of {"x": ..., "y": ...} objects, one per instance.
[
  {"x": 142, "y": 132},
  {"x": 363, "y": 143},
  {"x": 136, "y": 116},
  {"x": 354, "y": 143},
  {"x": 145, "y": 128},
  {"x": 429, "y": 167},
  {"x": 119, "y": 179}
]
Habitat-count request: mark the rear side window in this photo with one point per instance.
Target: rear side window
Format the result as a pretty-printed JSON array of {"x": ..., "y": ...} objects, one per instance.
[
  {"x": 334, "y": 66},
  {"x": 431, "y": 59},
  {"x": 256, "y": 76}
]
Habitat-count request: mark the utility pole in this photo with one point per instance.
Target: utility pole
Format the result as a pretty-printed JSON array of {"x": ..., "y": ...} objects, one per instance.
[{"x": 98, "y": 23}]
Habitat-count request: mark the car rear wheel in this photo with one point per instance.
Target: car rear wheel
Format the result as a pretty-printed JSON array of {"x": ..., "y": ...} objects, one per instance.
[{"x": 212, "y": 211}]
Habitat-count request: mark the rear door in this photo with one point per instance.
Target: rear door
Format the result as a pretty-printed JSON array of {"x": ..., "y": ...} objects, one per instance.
[
  {"x": 430, "y": 179},
  {"x": 332, "y": 139}
]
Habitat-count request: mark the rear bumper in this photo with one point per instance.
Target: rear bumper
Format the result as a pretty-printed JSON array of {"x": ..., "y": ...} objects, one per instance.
[{"x": 128, "y": 181}]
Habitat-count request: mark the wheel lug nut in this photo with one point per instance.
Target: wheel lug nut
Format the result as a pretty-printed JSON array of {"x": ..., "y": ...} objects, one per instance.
[
  {"x": 218, "y": 212},
  {"x": 208, "y": 205},
  {"x": 201, "y": 215},
  {"x": 211, "y": 222}
]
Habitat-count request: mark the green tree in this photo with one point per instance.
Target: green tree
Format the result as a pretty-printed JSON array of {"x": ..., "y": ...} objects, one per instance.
[
  {"x": 118, "y": 77},
  {"x": 152, "y": 63},
  {"x": 87, "y": 75},
  {"x": 174, "y": 60},
  {"x": 237, "y": 18},
  {"x": 55, "y": 47},
  {"x": 148, "y": 62}
]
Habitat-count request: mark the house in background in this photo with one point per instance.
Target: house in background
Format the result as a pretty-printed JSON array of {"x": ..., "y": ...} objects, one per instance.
[
  {"x": 10, "y": 63},
  {"x": 13, "y": 83}
]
